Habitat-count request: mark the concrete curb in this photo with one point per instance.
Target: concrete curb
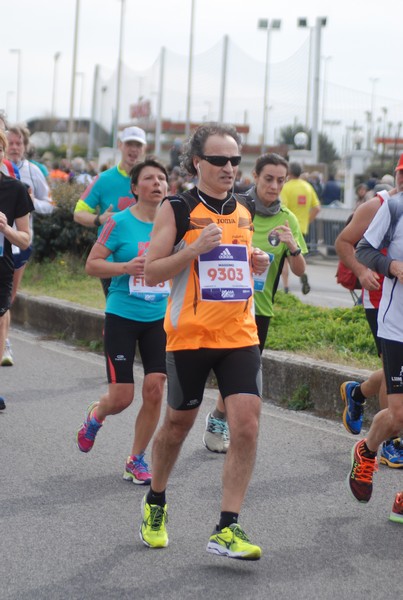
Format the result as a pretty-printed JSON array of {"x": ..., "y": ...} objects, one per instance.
[{"x": 284, "y": 374}]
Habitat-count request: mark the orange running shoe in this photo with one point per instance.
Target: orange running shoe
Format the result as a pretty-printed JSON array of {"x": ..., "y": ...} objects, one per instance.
[{"x": 362, "y": 470}]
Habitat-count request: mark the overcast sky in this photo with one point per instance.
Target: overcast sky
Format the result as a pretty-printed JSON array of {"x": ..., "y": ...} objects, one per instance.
[{"x": 363, "y": 40}]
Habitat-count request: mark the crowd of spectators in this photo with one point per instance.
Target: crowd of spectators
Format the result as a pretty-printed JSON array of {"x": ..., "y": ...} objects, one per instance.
[{"x": 82, "y": 171}]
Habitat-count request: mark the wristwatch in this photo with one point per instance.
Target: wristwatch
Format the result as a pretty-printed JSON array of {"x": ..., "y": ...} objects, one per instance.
[
  {"x": 297, "y": 252},
  {"x": 97, "y": 222}
]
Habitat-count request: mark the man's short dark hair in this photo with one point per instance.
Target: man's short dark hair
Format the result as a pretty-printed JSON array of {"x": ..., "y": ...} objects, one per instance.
[
  {"x": 295, "y": 169},
  {"x": 195, "y": 145},
  {"x": 150, "y": 161},
  {"x": 271, "y": 158}
]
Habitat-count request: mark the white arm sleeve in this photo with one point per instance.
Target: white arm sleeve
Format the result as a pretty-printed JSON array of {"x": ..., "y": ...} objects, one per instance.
[{"x": 42, "y": 200}]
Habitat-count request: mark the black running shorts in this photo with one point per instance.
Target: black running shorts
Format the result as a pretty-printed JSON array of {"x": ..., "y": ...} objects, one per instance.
[
  {"x": 238, "y": 371},
  {"x": 120, "y": 341},
  {"x": 6, "y": 288},
  {"x": 392, "y": 355}
]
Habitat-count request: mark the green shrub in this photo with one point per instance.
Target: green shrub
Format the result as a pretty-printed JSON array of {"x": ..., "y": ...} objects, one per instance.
[
  {"x": 313, "y": 330},
  {"x": 57, "y": 233},
  {"x": 300, "y": 399}
]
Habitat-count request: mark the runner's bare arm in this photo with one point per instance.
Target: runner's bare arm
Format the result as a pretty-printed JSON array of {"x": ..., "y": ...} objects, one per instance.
[
  {"x": 161, "y": 264},
  {"x": 351, "y": 235}
]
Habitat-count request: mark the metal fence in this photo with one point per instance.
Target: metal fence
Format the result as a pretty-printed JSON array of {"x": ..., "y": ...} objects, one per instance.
[{"x": 325, "y": 229}]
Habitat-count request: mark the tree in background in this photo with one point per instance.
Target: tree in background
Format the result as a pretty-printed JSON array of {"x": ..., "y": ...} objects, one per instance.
[{"x": 327, "y": 151}]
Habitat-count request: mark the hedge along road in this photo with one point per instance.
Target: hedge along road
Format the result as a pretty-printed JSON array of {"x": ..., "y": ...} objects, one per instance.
[{"x": 69, "y": 522}]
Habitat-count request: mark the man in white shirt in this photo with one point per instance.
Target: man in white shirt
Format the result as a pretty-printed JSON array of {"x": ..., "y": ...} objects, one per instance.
[{"x": 385, "y": 231}]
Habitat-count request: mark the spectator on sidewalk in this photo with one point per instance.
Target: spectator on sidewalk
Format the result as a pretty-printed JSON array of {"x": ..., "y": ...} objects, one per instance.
[
  {"x": 331, "y": 191},
  {"x": 300, "y": 197},
  {"x": 360, "y": 193},
  {"x": 79, "y": 173}
]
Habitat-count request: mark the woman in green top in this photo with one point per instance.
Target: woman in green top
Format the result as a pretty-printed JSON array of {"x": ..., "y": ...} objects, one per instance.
[{"x": 277, "y": 232}]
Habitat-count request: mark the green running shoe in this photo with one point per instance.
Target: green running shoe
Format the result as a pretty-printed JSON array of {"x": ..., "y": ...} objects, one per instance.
[
  {"x": 233, "y": 542},
  {"x": 397, "y": 511},
  {"x": 153, "y": 532}
]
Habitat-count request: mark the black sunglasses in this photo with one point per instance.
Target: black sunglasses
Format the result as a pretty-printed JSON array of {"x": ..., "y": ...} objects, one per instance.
[{"x": 221, "y": 161}]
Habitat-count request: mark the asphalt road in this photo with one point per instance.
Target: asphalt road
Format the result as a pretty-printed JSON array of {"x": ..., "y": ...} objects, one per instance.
[
  {"x": 325, "y": 291},
  {"x": 69, "y": 522}
]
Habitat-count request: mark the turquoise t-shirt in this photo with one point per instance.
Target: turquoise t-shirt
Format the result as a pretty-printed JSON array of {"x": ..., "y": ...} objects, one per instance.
[
  {"x": 110, "y": 187},
  {"x": 263, "y": 226},
  {"x": 127, "y": 237}
]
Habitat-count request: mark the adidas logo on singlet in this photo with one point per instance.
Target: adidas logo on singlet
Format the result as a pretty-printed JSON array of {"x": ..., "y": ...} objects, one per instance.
[{"x": 226, "y": 254}]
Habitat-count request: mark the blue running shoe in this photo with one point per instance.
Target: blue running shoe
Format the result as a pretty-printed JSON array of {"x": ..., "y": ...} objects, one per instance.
[
  {"x": 392, "y": 454},
  {"x": 354, "y": 411}
]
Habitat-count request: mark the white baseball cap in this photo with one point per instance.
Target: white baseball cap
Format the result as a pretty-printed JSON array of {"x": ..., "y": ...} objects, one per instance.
[{"x": 133, "y": 134}]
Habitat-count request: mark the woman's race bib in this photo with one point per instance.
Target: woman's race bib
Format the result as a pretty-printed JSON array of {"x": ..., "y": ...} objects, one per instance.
[
  {"x": 155, "y": 293},
  {"x": 224, "y": 274}
]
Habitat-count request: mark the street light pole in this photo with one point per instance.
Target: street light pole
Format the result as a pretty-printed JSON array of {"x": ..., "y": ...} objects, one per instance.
[
  {"x": 374, "y": 81},
  {"x": 53, "y": 110},
  {"x": 324, "y": 93},
  {"x": 91, "y": 136},
  {"x": 158, "y": 122},
  {"x": 320, "y": 22},
  {"x": 223, "y": 79},
  {"x": 385, "y": 114},
  {"x": 69, "y": 151},
  {"x": 397, "y": 139},
  {"x": 303, "y": 22},
  {"x": 17, "y": 51},
  {"x": 104, "y": 89},
  {"x": 81, "y": 75},
  {"x": 119, "y": 76},
  {"x": 265, "y": 24},
  {"x": 190, "y": 69}
]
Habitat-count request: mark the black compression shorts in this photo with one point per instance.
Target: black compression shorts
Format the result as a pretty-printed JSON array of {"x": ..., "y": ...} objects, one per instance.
[
  {"x": 392, "y": 355},
  {"x": 120, "y": 341},
  {"x": 262, "y": 324},
  {"x": 238, "y": 371},
  {"x": 6, "y": 288}
]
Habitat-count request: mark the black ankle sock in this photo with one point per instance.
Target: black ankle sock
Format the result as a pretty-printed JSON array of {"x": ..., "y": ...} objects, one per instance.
[
  {"x": 156, "y": 497},
  {"x": 357, "y": 394},
  {"x": 367, "y": 452},
  {"x": 217, "y": 414},
  {"x": 227, "y": 519}
]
